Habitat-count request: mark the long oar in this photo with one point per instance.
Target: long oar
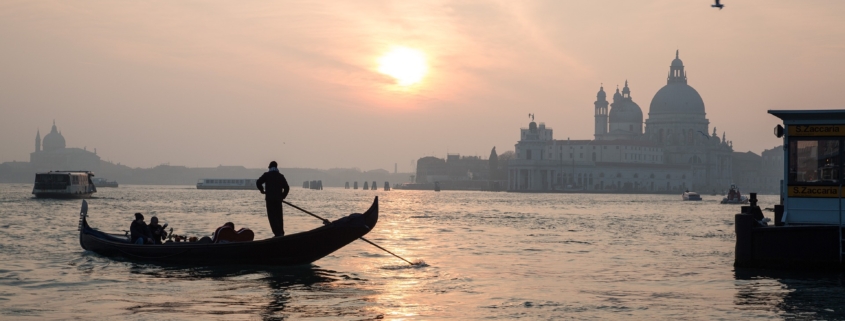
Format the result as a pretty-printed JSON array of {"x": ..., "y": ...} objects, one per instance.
[{"x": 325, "y": 221}]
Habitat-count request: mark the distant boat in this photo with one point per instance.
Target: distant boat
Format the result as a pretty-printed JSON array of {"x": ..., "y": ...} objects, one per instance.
[
  {"x": 226, "y": 183},
  {"x": 690, "y": 196},
  {"x": 64, "y": 184},
  {"x": 735, "y": 197},
  {"x": 102, "y": 182}
]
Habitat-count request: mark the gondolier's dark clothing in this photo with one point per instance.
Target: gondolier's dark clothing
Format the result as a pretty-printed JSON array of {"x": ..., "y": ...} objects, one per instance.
[
  {"x": 275, "y": 188},
  {"x": 139, "y": 229}
]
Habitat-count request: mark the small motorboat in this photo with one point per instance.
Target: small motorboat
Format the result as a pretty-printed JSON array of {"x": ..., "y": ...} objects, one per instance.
[
  {"x": 690, "y": 196},
  {"x": 294, "y": 249},
  {"x": 735, "y": 197}
]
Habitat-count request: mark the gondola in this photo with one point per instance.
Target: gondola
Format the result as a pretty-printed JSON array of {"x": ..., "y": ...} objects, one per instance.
[{"x": 294, "y": 249}]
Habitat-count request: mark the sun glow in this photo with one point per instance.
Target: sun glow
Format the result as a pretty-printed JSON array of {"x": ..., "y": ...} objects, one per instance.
[{"x": 407, "y": 65}]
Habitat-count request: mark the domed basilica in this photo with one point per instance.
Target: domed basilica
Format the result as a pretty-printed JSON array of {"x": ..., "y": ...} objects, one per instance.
[
  {"x": 673, "y": 152},
  {"x": 56, "y": 156}
]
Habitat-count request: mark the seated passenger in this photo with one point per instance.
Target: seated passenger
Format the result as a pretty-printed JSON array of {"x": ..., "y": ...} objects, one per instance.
[
  {"x": 139, "y": 233},
  {"x": 158, "y": 233},
  {"x": 227, "y": 228},
  {"x": 227, "y": 233}
]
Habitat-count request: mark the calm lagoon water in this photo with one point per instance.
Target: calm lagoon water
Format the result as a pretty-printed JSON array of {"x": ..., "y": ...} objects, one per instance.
[{"x": 486, "y": 256}]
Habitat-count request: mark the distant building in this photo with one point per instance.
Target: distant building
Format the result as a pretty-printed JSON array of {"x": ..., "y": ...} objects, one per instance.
[
  {"x": 772, "y": 169},
  {"x": 52, "y": 154},
  {"x": 672, "y": 153},
  {"x": 747, "y": 171},
  {"x": 454, "y": 168}
]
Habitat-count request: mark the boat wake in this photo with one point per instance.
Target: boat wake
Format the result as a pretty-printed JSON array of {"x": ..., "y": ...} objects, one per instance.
[{"x": 418, "y": 264}]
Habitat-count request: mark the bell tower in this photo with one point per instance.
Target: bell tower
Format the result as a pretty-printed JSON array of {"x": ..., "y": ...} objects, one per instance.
[
  {"x": 38, "y": 141},
  {"x": 601, "y": 113}
]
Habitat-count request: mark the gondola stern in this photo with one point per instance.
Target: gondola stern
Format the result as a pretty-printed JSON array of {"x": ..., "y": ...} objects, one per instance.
[
  {"x": 371, "y": 215},
  {"x": 83, "y": 223}
]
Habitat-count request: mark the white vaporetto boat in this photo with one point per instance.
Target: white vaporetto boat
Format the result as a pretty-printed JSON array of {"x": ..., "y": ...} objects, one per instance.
[
  {"x": 690, "y": 196},
  {"x": 102, "y": 182},
  {"x": 226, "y": 183},
  {"x": 64, "y": 184}
]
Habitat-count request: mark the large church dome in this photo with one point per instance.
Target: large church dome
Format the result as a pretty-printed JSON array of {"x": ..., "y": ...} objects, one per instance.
[
  {"x": 676, "y": 97},
  {"x": 54, "y": 140}
]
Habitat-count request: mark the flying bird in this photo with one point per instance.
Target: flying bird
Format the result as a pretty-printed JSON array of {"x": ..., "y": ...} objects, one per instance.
[
  {"x": 703, "y": 134},
  {"x": 718, "y": 5}
]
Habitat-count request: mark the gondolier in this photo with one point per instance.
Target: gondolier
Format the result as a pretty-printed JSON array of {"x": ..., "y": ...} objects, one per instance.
[{"x": 275, "y": 188}]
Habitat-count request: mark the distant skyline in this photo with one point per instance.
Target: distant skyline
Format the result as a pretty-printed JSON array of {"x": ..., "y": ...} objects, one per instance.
[{"x": 243, "y": 83}]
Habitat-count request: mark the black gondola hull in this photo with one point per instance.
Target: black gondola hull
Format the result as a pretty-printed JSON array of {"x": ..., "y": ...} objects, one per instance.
[{"x": 294, "y": 249}]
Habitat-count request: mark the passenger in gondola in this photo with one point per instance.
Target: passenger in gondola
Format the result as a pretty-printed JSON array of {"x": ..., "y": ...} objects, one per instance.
[
  {"x": 227, "y": 234},
  {"x": 157, "y": 231},
  {"x": 275, "y": 188},
  {"x": 228, "y": 226},
  {"x": 139, "y": 232}
]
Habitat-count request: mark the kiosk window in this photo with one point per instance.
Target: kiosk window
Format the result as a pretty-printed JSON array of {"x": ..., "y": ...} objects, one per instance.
[{"x": 814, "y": 161}]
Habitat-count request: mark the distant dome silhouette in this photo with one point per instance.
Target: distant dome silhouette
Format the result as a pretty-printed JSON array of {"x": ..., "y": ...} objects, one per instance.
[{"x": 54, "y": 140}]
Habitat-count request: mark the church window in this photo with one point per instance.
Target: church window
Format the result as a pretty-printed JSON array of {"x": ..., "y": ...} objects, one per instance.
[
  {"x": 636, "y": 175},
  {"x": 528, "y": 154},
  {"x": 594, "y": 156},
  {"x": 651, "y": 176}
]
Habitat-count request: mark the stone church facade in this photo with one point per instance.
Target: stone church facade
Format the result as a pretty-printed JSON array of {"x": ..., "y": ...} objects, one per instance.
[{"x": 671, "y": 151}]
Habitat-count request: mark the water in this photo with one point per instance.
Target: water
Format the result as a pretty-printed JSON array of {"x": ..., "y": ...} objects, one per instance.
[{"x": 486, "y": 256}]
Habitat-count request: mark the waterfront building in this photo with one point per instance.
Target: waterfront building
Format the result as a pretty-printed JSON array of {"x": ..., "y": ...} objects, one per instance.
[
  {"x": 454, "y": 168},
  {"x": 772, "y": 169},
  {"x": 51, "y": 153},
  {"x": 671, "y": 153}
]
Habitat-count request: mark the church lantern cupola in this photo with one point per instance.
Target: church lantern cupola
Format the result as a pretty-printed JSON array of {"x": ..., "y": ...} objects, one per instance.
[{"x": 676, "y": 71}]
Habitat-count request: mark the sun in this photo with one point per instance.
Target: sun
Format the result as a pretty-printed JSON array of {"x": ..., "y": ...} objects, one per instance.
[{"x": 406, "y": 65}]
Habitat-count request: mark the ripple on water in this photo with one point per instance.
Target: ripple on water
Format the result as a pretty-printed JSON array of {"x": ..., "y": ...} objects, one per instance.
[{"x": 494, "y": 256}]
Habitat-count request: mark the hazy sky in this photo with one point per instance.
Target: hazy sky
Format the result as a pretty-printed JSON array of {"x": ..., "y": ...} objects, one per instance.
[{"x": 207, "y": 83}]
